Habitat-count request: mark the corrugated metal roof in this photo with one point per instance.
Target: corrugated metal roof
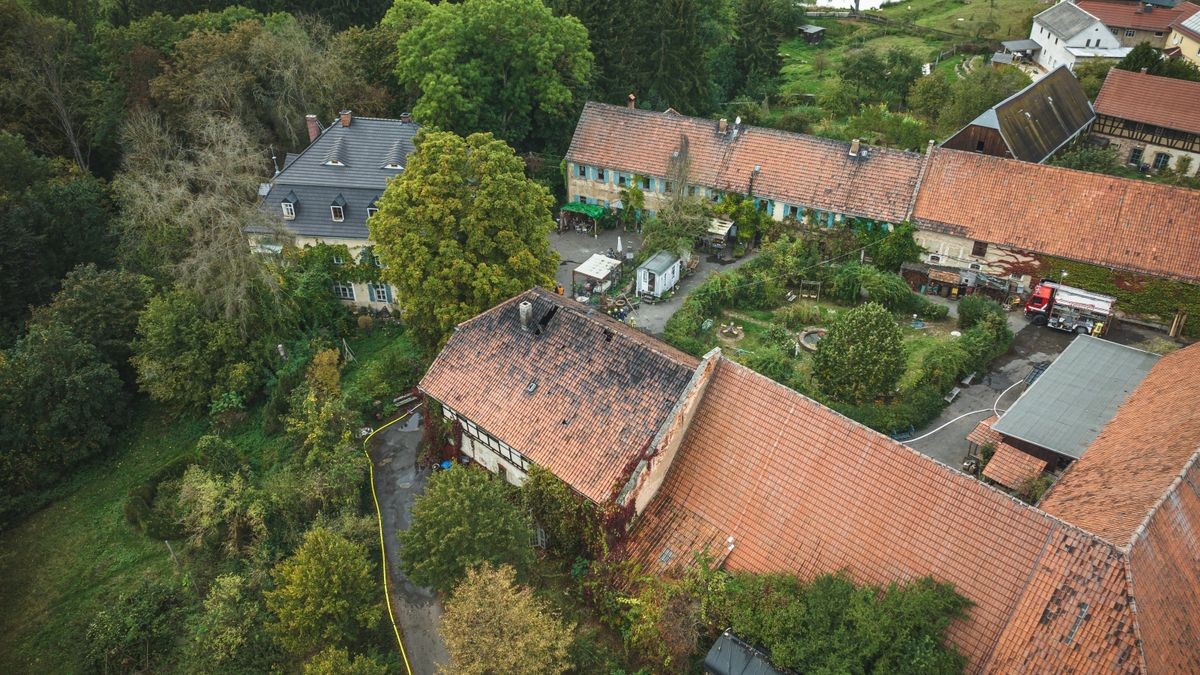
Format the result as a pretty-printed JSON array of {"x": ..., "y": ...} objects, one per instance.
[
  {"x": 660, "y": 262},
  {"x": 1065, "y": 409}
]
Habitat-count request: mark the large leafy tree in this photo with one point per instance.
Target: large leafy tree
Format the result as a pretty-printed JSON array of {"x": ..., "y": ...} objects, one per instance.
[
  {"x": 60, "y": 402},
  {"x": 1145, "y": 56},
  {"x": 325, "y": 594},
  {"x": 506, "y": 66},
  {"x": 493, "y": 625},
  {"x": 464, "y": 518},
  {"x": 461, "y": 229},
  {"x": 861, "y": 358},
  {"x": 759, "y": 32},
  {"x": 978, "y": 91}
]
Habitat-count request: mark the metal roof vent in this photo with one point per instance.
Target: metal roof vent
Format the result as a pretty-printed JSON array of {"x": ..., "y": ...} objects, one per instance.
[{"x": 531, "y": 387}]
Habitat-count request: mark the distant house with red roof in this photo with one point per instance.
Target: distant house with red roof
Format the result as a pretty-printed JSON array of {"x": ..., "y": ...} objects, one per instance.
[
  {"x": 1134, "y": 23},
  {"x": 1153, "y": 122},
  {"x": 707, "y": 455}
]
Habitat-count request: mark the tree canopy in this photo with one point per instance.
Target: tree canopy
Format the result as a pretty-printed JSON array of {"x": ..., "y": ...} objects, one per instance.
[
  {"x": 1145, "y": 56},
  {"x": 464, "y": 518},
  {"x": 861, "y": 358},
  {"x": 492, "y": 625},
  {"x": 462, "y": 229},
  {"x": 325, "y": 594},
  {"x": 506, "y": 66}
]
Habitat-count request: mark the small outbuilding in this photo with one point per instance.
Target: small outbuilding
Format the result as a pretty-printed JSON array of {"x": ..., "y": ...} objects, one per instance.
[
  {"x": 812, "y": 34},
  {"x": 595, "y": 275},
  {"x": 658, "y": 275},
  {"x": 731, "y": 656}
]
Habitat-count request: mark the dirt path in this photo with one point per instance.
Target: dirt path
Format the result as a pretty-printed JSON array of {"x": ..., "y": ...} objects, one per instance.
[{"x": 397, "y": 483}]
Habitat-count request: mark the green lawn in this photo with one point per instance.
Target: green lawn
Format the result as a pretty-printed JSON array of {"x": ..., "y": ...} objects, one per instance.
[
  {"x": 986, "y": 19},
  {"x": 65, "y": 562}
]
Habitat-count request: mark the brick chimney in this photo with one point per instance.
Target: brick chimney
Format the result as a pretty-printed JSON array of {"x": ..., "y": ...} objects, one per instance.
[
  {"x": 314, "y": 127},
  {"x": 345, "y": 117},
  {"x": 631, "y": 102}
]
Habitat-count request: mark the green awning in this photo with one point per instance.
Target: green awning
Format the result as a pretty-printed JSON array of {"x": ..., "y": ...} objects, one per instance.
[{"x": 589, "y": 210}]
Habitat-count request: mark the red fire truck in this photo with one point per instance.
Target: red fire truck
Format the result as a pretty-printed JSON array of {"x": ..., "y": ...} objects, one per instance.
[{"x": 1069, "y": 309}]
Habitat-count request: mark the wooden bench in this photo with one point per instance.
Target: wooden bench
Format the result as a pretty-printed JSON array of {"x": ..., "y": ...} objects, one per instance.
[
  {"x": 953, "y": 395},
  {"x": 966, "y": 381}
]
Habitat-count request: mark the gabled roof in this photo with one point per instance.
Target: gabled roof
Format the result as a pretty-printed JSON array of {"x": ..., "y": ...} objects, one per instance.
[
  {"x": 1065, "y": 20},
  {"x": 362, "y": 149},
  {"x": 1011, "y": 467},
  {"x": 770, "y": 481},
  {"x": 1162, "y": 101},
  {"x": 1139, "y": 453},
  {"x": 1190, "y": 25},
  {"x": 1130, "y": 225},
  {"x": 582, "y": 395},
  {"x": 1065, "y": 409},
  {"x": 793, "y": 168},
  {"x": 1039, "y": 119},
  {"x": 1134, "y": 15}
]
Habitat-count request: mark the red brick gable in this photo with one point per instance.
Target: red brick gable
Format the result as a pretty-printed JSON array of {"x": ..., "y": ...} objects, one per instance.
[{"x": 1125, "y": 224}]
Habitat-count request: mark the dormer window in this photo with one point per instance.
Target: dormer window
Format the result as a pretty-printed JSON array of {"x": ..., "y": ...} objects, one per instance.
[
  {"x": 393, "y": 165},
  {"x": 338, "y": 209},
  {"x": 289, "y": 206},
  {"x": 372, "y": 210}
]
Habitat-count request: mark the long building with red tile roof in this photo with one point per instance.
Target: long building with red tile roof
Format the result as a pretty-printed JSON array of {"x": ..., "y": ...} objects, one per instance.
[
  {"x": 960, "y": 200},
  {"x": 1133, "y": 23},
  {"x": 714, "y": 457}
]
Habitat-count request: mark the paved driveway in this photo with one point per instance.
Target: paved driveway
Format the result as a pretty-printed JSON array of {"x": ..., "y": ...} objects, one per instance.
[
  {"x": 397, "y": 483},
  {"x": 575, "y": 247}
]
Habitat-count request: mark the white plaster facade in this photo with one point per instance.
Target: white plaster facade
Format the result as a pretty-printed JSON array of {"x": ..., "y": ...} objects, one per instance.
[
  {"x": 489, "y": 452},
  {"x": 947, "y": 250},
  {"x": 1094, "y": 40}
]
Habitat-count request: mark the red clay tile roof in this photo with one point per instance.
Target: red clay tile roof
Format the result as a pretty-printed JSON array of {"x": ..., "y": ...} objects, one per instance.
[
  {"x": 795, "y": 169},
  {"x": 1125, "y": 224},
  {"x": 1131, "y": 15},
  {"x": 602, "y": 388},
  {"x": 983, "y": 434},
  {"x": 801, "y": 489},
  {"x": 1011, "y": 467},
  {"x": 1162, "y": 101},
  {"x": 1164, "y": 563},
  {"x": 1137, "y": 456}
]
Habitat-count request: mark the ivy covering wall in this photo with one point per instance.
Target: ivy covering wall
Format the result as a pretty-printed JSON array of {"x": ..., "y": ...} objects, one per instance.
[{"x": 1148, "y": 298}]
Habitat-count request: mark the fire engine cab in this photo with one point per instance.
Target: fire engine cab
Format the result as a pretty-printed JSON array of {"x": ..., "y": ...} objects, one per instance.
[{"x": 1069, "y": 309}]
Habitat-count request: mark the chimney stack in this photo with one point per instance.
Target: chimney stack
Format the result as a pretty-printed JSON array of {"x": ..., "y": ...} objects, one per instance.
[
  {"x": 526, "y": 312},
  {"x": 1143, "y": 71},
  {"x": 345, "y": 117},
  {"x": 631, "y": 102},
  {"x": 854, "y": 147},
  {"x": 723, "y": 126},
  {"x": 314, "y": 127},
  {"x": 405, "y": 118}
]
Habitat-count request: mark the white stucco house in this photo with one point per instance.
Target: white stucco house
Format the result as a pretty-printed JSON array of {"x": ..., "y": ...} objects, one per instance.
[{"x": 1067, "y": 35}]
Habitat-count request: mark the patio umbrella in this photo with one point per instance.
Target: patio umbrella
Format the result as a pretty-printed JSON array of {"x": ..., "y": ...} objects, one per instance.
[{"x": 619, "y": 249}]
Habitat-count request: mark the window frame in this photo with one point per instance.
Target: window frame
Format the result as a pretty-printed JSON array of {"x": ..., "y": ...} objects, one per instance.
[
  {"x": 600, "y": 175},
  {"x": 337, "y": 213},
  {"x": 341, "y": 289},
  {"x": 376, "y": 290},
  {"x": 1162, "y": 160},
  {"x": 1140, "y": 153},
  {"x": 372, "y": 210},
  {"x": 1129, "y": 32},
  {"x": 979, "y": 249}
]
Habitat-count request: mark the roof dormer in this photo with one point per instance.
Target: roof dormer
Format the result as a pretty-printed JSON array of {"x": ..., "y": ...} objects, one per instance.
[
  {"x": 394, "y": 159},
  {"x": 337, "y": 209},
  {"x": 337, "y": 152},
  {"x": 289, "y": 205}
]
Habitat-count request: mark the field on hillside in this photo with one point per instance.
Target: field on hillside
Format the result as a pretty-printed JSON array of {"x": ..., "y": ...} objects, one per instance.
[{"x": 979, "y": 19}]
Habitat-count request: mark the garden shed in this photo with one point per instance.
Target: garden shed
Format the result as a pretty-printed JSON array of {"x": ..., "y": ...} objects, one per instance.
[
  {"x": 595, "y": 275},
  {"x": 658, "y": 275}
]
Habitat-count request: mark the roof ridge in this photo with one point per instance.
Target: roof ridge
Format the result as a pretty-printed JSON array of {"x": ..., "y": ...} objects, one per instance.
[
  {"x": 1119, "y": 181},
  {"x": 1180, "y": 478}
]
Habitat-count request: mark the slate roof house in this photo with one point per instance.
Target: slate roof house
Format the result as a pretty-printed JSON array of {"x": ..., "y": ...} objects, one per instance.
[
  {"x": 1184, "y": 39},
  {"x": 1068, "y": 34},
  {"x": 1152, "y": 122},
  {"x": 1032, "y": 124},
  {"x": 325, "y": 193},
  {"x": 1105, "y": 578}
]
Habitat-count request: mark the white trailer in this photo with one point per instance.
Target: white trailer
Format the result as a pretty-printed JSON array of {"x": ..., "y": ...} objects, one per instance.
[{"x": 658, "y": 275}]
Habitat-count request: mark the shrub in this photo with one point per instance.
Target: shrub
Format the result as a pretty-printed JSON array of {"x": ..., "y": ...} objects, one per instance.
[
  {"x": 773, "y": 362},
  {"x": 862, "y": 357},
  {"x": 973, "y": 308},
  {"x": 986, "y": 340},
  {"x": 801, "y": 315},
  {"x": 1033, "y": 488}
]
